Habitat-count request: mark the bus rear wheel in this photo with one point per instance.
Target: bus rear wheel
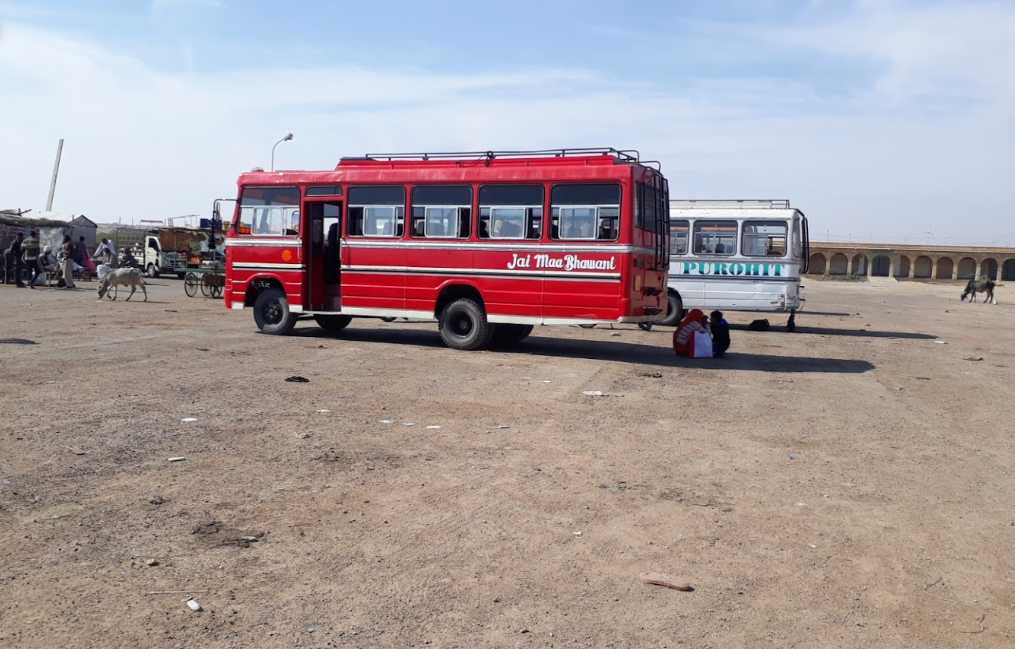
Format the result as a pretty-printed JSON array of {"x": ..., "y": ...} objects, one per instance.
[
  {"x": 332, "y": 323},
  {"x": 463, "y": 325},
  {"x": 674, "y": 310},
  {"x": 271, "y": 313},
  {"x": 505, "y": 335}
]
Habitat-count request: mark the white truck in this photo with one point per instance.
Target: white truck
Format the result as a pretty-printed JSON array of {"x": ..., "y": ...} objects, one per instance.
[{"x": 161, "y": 250}]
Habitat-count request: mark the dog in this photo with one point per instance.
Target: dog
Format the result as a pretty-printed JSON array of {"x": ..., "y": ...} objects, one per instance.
[
  {"x": 976, "y": 286},
  {"x": 117, "y": 277}
]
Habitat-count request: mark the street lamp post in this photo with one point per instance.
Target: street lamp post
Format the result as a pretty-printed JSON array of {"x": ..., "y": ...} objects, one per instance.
[{"x": 286, "y": 138}]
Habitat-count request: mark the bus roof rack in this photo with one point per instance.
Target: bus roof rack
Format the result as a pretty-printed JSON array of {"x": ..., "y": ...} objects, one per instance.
[
  {"x": 625, "y": 155},
  {"x": 779, "y": 203}
]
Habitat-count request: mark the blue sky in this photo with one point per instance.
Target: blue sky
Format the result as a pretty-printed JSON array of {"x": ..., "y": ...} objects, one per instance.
[{"x": 882, "y": 120}]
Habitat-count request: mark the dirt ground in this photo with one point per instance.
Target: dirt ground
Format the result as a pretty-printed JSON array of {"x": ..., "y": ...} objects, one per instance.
[{"x": 848, "y": 485}]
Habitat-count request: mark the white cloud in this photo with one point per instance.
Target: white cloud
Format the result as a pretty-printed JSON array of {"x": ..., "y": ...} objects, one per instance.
[{"x": 143, "y": 143}]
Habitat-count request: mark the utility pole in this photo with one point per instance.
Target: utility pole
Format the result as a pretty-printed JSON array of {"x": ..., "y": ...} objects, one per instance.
[{"x": 56, "y": 171}]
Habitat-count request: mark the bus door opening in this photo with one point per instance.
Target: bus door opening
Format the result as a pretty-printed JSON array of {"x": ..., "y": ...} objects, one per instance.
[{"x": 323, "y": 255}]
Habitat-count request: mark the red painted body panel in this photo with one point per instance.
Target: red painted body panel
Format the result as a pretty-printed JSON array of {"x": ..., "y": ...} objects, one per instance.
[{"x": 523, "y": 278}]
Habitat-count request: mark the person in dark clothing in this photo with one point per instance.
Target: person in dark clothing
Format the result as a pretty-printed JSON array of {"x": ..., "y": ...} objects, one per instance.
[
  {"x": 14, "y": 258},
  {"x": 720, "y": 334},
  {"x": 80, "y": 252}
]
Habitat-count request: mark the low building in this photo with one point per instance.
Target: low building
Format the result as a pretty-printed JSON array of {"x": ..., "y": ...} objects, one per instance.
[{"x": 904, "y": 261}]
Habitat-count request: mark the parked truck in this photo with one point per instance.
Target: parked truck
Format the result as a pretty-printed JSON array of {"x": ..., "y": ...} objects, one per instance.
[{"x": 162, "y": 250}]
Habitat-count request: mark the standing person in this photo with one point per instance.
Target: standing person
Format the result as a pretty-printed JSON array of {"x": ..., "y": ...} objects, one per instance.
[
  {"x": 14, "y": 258},
  {"x": 67, "y": 261},
  {"x": 720, "y": 333},
  {"x": 80, "y": 252},
  {"x": 31, "y": 256},
  {"x": 683, "y": 336}
]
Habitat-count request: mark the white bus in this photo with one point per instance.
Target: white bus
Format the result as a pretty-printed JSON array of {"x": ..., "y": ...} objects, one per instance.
[{"x": 736, "y": 255}]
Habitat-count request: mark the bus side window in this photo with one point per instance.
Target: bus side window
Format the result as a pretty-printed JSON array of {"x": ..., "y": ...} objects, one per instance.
[
  {"x": 715, "y": 238},
  {"x": 377, "y": 211},
  {"x": 441, "y": 211},
  {"x": 585, "y": 211},
  {"x": 678, "y": 237},
  {"x": 764, "y": 239},
  {"x": 510, "y": 212}
]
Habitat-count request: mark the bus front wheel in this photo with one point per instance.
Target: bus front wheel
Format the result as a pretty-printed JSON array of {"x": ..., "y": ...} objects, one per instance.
[
  {"x": 271, "y": 313},
  {"x": 674, "y": 310},
  {"x": 463, "y": 325}
]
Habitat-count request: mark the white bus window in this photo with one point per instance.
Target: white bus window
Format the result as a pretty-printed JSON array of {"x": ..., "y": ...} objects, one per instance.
[
  {"x": 376, "y": 211},
  {"x": 577, "y": 222},
  {"x": 507, "y": 222},
  {"x": 678, "y": 237},
  {"x": 715, "y": 238},
  {"x": 271, "y": 211},
  {"x": 764, "y": 239},
  {"x": 510, "y": 211}
]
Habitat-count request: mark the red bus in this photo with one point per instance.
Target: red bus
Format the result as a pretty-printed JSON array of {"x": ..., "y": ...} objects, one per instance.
[{"x": 488, "y": 244}]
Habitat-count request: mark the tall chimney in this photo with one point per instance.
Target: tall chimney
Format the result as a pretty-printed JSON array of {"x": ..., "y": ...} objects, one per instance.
[{"x": 56, "y": 171}]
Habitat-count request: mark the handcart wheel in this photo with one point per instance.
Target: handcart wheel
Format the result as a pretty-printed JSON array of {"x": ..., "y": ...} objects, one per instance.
[
  {"x": 205, "y": 286},
  {"x": 190, "y": 283}
]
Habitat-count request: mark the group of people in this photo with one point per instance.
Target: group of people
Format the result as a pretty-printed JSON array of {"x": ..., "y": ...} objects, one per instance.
[
  {"x": 24, "y": 253},
  {"x": 713, "y": 326}
]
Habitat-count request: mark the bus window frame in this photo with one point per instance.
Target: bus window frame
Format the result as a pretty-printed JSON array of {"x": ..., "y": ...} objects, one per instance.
[
  {"x": 595, "y": 226},
  {"x": 786, "y": 223},
  {"x": 458, "y": 222},
  {"x": 347, "y": 225},
  {"x": 293, "y": 217},
  {"x": 736, "y": 238},
  {"x": 525, "y": 222},
  {"x": 687, "y": 238},
  {"x": 619, "y": 205}
]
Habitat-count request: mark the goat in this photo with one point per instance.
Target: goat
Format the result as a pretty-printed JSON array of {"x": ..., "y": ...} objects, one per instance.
[{"x": 117, "y": 277}]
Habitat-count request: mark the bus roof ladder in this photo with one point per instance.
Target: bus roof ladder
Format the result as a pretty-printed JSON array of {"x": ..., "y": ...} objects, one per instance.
[{"x": 624, "y": 155}]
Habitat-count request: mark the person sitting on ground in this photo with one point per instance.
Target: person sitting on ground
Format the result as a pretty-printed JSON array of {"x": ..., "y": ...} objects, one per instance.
[
  {"x": 683, "y": 337},
  {"x": 720, "y": 334}
]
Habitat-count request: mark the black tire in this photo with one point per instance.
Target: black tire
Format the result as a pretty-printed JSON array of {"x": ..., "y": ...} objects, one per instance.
[
  {"x": 332, "y": 323},
  {"x": 645, "y": 326},
  {"x": 205, "y": 285},
  {"x": 587, "y": 326},
  {"x": 271, "y": 313},
  {"x": 506, "y": 335},
  {"x": 463, "y": 325},
  {"x": 674, "y": 310},
  {"x": 152, "y": 271},
  {"x": 180, "y": 275},
  {"x": 387, "y": 319}
]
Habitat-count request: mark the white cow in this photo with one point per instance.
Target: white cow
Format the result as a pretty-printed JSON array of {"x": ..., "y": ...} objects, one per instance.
[{"x": 117, "y": 277}]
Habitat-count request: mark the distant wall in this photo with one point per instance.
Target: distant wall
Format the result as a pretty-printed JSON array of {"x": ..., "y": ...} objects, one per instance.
[{"x": 934, "y": 263}]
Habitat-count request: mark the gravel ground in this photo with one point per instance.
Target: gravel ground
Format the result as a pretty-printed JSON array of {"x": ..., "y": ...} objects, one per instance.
[{"x": 849, "y": 485}]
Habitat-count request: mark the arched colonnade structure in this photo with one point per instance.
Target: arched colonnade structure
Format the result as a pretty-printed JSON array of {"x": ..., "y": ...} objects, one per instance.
[{"x": 933, "y": 263}]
